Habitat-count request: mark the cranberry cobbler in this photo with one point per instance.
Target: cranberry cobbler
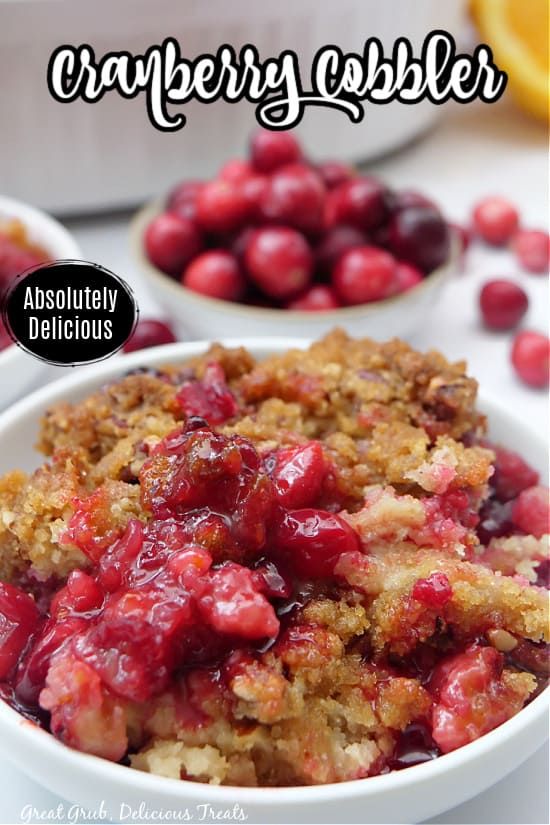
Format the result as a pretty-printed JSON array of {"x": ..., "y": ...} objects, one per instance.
[{"x": 311, "y": 569}]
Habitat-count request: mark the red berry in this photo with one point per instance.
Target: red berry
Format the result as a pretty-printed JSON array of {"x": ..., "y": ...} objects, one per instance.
[
  {"x": 14, "y": 259},
  {"x": 434, "y": 591},
  {"x": 364, "y": 274},
  {"x": 149, "y": 333},
  {"x": 495, "y": 220},
  {"x": 171, "y": 241},
  {"x": 80, "y": 594},
  {"x": 269, "y": 150},
  {"x": 418, "y": 235},
  {"x": 530, "y": 356},
  {"x": 410, "y": 197},
  {"x": 361, "y": 202},
  {"x": 279, "y": 261},
  {"x": 298, "y": 474},
  {"x": 532, "y": 249},
  {"x": 333, "y": 172},
  {"x": 512, "y": 474},
  {"x": 406, "y": 277},
  {"x": 294, "y": 196},
  {"x": 236, "y": 171},
  {"x": 334, "y": 243},
  {"x": 217, "y": 274},
  {"x": 318, "y": 298},
  {"x": 183, "y": 199},
  {"x": 311, "y": 541},
  {"x": 503, "y": 304},
  {"x": 531, "y": 511},
  {"x": 19, "y": 620},
  {"x": 253, "y": 189},
  {"x": 210, "y": 398},
  {"x": 221, "y": 207}
]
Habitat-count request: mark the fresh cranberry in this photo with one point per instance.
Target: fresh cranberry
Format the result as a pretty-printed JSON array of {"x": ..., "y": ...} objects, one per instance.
[
  {"x": 405, "y": 198},
  {"x": 318, "y": 298},
  {"x": 406, "y": 277},
  {"x": 279, "y": 261},
  {"x": 221, "y": 207},
  {"x": 216, "y": 274},
  {"x": 434, "y": 591},
  {"x": 149, "y": 333},
  {"x": 361, "y": 202},
  {"x": 253, "y": 189},
  {"x": 270, "y": 150},
  {"x": 311, "y": 541},
  {"x": 530, "y": 511},
  {"x": 298, "y": 474},
  {"x": 19, "y": 620},
  {"x": 495, "y": 220},
  {"x": 530, "y": 356},
  {"x": 364, "y": 274},
  {"x": 236, "y": 171},
  {"x": 294, "y": 196},
  {"x": 209, "y": 398},
  {"x": 334, "y": 243},
  {"x": 532, "y": 249},
  {"x": 183, "y": 199},
  {"x": 334, "y": 172},
  {"x": 512, "y": 473},
  {"x": 503, "y": 304},
  {"x": 5, "y": 339},
  {"x": 418, "y": 235},
  {"x": 171, "y": 241}
]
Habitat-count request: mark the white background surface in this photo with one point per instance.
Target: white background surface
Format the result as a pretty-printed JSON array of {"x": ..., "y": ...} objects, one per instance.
[{"x": 475, "y": 151}]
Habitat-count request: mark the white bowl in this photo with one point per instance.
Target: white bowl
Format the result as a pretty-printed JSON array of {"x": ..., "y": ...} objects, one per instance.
[
  {"x": 411, "y": 795},
  {"x": 198, "y": 316},
  {"x": 18, "y": 369}
]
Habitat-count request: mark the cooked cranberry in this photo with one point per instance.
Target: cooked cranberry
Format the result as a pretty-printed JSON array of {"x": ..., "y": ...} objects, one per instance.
[
  {"x": 311, "y": 541},
  {"x": 530, "y": 511},
  {"x": 405, "y": 198},
  {"x": 512, "y": 473},
  {"x": 334, "y": 243},
  {"x": 14, "y": 260},
  {"x": 19, "y": 621},
  {"x": 279, "y": 261},
  {"x": 294, "y": 196},
  {"x": 495, "y": 220},
  {"x": 543, "y": 578},
  {"x": 171, "y": 241},
  {"x": 419, "y": 236},
  {"x": 298, "y": 474},
  {"x": 364, "y": 274},
  {"x": 236, "y": 170},
  {"x": 414, "y": 746},
  {"x": 183, "y": 199},
  {"x": 271, "y": 581},
  {"x": 503, "y": 304},
  {"x": 434, "y": 591},
  {"x": 495, "y": 521},
  {"x": 334, "y": 172},
  {"x": 118, "y": 557},
  {"x": 221, "y": 207},
  {"x": 361, "y": 202},
  {"x": 318, "y": 298},
  {"x": 81, "y": 594},
  {"x": 530, "y": 356},
  {"x": 532, "y": 249},
  {"x": 269, "y": 150},
  {"x": 5, "y": 338},
  {"x": 149, "y": 333},
  {"x": 406, "y": 277},
  {"x": 209, "y": 398},
  {"x": 217, "y": 274}
]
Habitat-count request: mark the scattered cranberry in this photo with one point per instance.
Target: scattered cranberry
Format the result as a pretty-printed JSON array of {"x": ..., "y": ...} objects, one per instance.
[
  {"x": 495, "y": 220},
  {"x": 149, "y": 333},
  {"x": 361, "y": 202},
  {"x": 183, "y": 199},
  {"x": 531, "y": 511},
  {"x": 530, "y": 357},
  {"x": 418, "y": 235},
  {"x": 318, "y": 298},
  {"x": 294, "y": 196},
  {"x": 171, "y": 241},
  {"x": 406, "y": 277},
  {"x": 217, "y": 274},
  {"x": 221, "y": 207},
  {"x": 333, "y": 173},
  {"x": 311, "y": 541},
  {"x": 512, "y": 473},
  {"x": 269, "y": 150},
  {"x": 279, "y": 261},
  {"x": 19, "y": 620},
  {"x": 532, "y": 249},
  {"x": 364, "y": 274},
  {"x": 434, "y": 591},
  {"x": 334, "y": 243},
  {"x": 503, "y": 304}
]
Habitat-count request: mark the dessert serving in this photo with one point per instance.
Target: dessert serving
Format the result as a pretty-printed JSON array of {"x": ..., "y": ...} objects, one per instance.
[{"x": 309, "y": 569}]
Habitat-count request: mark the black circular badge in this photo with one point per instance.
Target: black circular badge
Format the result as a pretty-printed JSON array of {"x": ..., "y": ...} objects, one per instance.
[{"x": 70, "y": 312}]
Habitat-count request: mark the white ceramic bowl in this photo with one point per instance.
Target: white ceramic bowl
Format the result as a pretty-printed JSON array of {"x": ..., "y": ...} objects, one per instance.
[
  {"x": 411, "y": 795},
  {"x": 18, "y": 369},
  {"x": 197, "y": 316}
]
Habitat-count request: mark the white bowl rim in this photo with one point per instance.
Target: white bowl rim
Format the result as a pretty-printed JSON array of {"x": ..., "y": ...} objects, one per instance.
[
  {"x": 294, "y": 316},
  {"x": 532, "y": 716}
]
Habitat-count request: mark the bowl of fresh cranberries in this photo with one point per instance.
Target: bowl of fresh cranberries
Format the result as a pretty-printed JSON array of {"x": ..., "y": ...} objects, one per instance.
[
  {"x": 142, "y": 588},
  {"x": 28, "y": 237},
  {"x": 276, "y": 243}
]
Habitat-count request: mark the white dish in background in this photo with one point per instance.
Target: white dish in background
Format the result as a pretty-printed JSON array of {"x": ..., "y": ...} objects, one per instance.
[
  {"x": 410, "y": 795},
  {"x": 18, "y": 369}
]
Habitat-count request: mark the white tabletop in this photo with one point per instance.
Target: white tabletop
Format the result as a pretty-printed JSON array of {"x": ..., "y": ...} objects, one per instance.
[{"x": 475, "y": 151}]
